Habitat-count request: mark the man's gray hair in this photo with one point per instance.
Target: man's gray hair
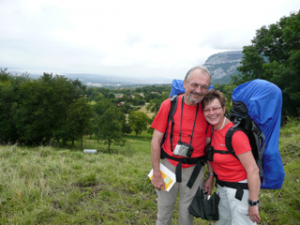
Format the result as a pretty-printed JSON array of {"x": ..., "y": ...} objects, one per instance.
[{"x": 202, "y": 68}]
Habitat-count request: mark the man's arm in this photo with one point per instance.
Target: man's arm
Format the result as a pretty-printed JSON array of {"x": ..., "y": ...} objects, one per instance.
[{"x": 157, "y": 181}]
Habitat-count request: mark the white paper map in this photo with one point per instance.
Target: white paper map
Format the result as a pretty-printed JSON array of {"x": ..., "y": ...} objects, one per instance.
[{"x": 168, "y": 176}]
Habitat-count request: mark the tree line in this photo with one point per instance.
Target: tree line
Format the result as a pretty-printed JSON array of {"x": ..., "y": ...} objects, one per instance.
[
  {"x": 51, "y": 108},
  {"x": 55, "y": 109}
]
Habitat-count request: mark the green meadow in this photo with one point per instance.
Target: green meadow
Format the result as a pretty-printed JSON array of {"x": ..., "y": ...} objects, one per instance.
[{"x": 52, "y": 185}]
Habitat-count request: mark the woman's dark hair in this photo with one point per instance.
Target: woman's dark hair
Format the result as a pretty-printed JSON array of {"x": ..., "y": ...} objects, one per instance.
[{"x": 212, "y": 95}]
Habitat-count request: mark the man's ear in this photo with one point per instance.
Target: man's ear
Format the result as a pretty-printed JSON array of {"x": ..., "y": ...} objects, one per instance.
[{"x": 184, "y": 84}]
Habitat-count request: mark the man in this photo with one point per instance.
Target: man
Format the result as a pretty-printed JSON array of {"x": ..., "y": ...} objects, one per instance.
[{"x": 190, "y": 127}]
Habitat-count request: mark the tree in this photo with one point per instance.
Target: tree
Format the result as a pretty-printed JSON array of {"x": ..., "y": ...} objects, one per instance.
[
  {"x": 274, "y": 56},
  {"x": 111, "y": 96},
  {"x": 138, "y": 121},
  {"x": 78, "y": 119},
  {"x": 9, "y": 94},
  {"x": 154, "y": 104},
  {"x": 108, "y": 123},
  {"x": 126, "y": 129},
  {"x": 99, "y": 97}
]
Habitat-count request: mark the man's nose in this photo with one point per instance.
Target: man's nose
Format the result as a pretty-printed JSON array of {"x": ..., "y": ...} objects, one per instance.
[{"x": 198, "y": 89}]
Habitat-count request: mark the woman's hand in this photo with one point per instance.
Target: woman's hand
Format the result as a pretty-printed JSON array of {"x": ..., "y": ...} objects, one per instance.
[
  {"x": 209, "y": 184},
  {"x": 253, "y": 213}
]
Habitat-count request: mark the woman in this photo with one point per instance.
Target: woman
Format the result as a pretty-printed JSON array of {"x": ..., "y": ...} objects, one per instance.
[{"x": 231, "y": 170}]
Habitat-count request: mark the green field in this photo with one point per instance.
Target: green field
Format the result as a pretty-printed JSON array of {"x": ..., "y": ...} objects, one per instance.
[{"x": 51, "y": 185}]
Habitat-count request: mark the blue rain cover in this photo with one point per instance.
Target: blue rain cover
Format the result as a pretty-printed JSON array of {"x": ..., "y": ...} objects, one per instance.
[
  {"x": 177, "y": 87},
  {"x": 264, "y": 102}
]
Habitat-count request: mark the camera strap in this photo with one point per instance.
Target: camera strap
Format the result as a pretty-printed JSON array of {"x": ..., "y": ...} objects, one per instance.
[{"x": 182, "y": 103}]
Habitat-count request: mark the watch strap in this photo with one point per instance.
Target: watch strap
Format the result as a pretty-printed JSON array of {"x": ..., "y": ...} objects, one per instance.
[{"x": 252, "y": 203}]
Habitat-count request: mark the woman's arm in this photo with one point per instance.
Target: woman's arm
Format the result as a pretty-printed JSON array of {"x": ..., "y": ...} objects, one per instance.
[
  {"x": 252, "y": 170},
  {"x": 209, "y": 184}
]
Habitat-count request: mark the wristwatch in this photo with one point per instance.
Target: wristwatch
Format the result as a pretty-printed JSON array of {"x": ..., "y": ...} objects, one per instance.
[
  {"x": 211, "y": 173},
  {"x": 252, "y": 203}
]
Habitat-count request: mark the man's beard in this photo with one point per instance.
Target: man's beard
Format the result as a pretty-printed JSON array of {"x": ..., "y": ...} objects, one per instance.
[{"x": 189, "y": 97}]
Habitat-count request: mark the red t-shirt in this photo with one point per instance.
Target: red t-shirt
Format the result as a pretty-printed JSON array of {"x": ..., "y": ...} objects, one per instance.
[
  {"x": 188, "y": 118},
  {"x": 226, "y": 166}
]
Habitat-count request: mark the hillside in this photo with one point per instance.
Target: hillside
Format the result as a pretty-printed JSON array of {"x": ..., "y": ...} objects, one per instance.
[
  {"x": 51, "y": 185},
  {"x": 223, "y": 65}
]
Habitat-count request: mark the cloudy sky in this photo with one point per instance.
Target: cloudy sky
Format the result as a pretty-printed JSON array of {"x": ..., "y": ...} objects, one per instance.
[{"x": 130, "y": 38}]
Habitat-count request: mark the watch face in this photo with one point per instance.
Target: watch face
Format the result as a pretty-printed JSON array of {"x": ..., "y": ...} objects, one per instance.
[{"x": 252, "y": 203}]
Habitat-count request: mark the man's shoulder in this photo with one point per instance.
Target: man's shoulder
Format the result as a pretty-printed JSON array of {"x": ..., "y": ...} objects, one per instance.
[{"x": 168, "y": 101}]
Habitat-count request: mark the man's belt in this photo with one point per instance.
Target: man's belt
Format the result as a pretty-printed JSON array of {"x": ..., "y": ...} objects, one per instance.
[{"x": 200, "y": 161}]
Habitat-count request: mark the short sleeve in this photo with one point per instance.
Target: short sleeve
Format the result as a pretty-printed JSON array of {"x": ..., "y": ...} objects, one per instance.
[
  {"x": 240, "y": 143},
  {"x": 160, "y": 121}
]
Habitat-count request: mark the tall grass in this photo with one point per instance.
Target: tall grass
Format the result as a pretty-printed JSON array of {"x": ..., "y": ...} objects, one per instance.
[
  {"x": 283, "y": 206},
  {"x": 47, "y": 185}
]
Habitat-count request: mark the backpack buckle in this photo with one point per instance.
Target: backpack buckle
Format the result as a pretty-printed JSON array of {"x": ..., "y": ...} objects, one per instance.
[{"x": 185, "y": 160}]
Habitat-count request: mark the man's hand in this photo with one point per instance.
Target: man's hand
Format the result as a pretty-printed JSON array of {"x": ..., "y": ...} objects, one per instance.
[
  {"x": 158, "y": 182},
  {"x": 253, "y": 214},
  {"x": 209, "y": 184}
]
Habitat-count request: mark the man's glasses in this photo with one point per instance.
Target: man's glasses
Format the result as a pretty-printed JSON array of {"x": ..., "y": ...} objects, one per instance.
[
  {"x": 212, "y": 109},
  {"x": 195, "y": 86}
]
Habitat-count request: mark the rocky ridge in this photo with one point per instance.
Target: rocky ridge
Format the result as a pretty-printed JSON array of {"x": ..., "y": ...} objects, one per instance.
[{"x": 223, "y": 64}]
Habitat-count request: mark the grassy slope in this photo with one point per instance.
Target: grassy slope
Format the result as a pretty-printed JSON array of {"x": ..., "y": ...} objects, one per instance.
[{"x": 46, "y": 185}]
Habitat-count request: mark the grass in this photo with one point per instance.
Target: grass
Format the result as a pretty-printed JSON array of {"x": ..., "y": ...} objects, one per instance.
[{"x": 47, "y": 185}]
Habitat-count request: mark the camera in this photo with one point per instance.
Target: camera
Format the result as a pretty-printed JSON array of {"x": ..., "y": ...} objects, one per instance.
[
  {"x": 183, "y": 149},
  {"x": 210, "y": 153}
]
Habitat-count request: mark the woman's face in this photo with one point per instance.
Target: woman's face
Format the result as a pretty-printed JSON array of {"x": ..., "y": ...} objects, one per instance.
[{"x": 214, "y": 113}]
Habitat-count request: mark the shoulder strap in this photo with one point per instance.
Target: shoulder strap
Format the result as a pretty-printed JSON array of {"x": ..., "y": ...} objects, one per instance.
[
  {"x": 260, "y": 144},
  {"x": 174, "y": 101},
  {"x": 228, "y": 138}
]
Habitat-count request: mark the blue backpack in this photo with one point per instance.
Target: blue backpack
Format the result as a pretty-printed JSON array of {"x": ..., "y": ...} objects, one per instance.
[{"x": 264, "y": 102}]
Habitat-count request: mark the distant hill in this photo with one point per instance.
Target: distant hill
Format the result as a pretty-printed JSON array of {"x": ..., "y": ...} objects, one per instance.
[
  {"x": 109, "y": 81},
  {"x": 223, "y": 65}
]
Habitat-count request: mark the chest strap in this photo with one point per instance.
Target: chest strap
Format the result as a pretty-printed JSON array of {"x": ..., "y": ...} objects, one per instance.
[
  {"x": 238, "y": 186},
  {"x": 198, "y": 162}
]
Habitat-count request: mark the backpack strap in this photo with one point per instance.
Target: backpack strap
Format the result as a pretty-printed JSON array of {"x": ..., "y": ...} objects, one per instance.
[
  {"x": 260, "y": 142},
  {"x": 199, "y": 162},
  {"x": 174, "y": 101},
  {"x": 238, "y": 186},
  {"x": 228, "y": 137}
]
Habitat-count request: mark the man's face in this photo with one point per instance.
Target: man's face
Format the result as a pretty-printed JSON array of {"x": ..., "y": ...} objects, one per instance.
[{"x": 196, "y": 87}]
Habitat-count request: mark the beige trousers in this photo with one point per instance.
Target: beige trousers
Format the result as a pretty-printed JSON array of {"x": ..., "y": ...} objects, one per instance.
[{"x": 167, "y": 200}]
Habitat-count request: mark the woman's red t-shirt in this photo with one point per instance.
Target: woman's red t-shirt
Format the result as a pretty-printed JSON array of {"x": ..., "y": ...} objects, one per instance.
[{"x": 226, "y": 166}]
